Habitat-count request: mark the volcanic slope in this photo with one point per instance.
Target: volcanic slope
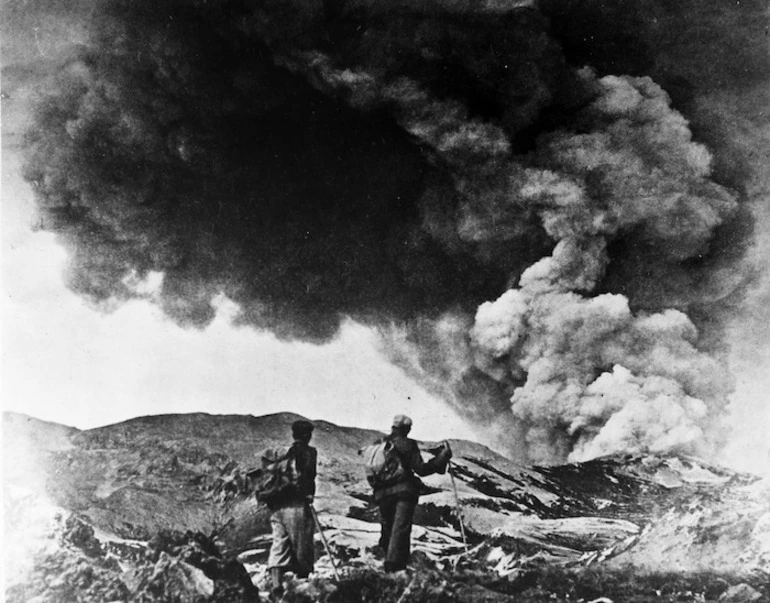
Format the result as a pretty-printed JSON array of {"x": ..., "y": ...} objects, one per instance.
[{"x": 124, "y": 485}]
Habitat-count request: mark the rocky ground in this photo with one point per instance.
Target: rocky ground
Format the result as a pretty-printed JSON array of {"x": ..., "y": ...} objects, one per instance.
[{"x": 160, "y": 509}]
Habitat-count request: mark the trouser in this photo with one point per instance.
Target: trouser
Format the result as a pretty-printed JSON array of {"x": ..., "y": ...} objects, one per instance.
[
  {"x": 396, "y": 514},
  {"x": 292, "y": 546}
]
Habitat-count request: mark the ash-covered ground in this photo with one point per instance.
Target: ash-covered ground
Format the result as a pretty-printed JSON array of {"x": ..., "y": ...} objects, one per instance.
[{"x": 159, "y": 508}]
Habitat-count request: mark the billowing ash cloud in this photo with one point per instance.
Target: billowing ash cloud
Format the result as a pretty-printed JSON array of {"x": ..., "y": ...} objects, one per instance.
[{"x": 527, "y": 219}]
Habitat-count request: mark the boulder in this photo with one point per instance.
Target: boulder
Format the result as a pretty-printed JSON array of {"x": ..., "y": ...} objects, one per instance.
[{"x": 740, "y": 593}]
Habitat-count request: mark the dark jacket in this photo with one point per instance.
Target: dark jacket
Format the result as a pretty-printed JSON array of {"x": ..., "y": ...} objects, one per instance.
[
  {"x": 305, "y": 457},
  {"x": 307, "y": 460},
  {"x": 411, "y": 459}
]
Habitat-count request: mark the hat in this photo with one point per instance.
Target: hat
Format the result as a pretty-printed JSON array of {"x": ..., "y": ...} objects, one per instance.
[
  {"x": 302, "y": 428},
  {"x": 402, "y": 421}
]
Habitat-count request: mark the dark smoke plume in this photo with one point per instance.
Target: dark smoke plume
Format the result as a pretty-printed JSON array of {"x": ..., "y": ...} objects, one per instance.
[{"x": 578, "y": 162}]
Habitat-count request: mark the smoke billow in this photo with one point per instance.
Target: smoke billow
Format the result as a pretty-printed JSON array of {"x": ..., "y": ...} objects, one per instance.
[{"x": 528, "y": 217}]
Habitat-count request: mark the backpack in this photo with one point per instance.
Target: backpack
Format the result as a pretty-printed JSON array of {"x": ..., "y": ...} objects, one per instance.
[
  {"x": 382, "y": 464},
  {"x": 278, "y": 479}
]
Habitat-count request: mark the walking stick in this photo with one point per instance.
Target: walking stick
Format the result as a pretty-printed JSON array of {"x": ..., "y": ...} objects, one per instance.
[
  {"x": 326, "y": 544},
  {"x": 457, "y": 504}
]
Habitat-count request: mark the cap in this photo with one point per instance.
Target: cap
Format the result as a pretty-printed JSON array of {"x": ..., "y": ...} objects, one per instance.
[
  {"x": 402, "y": 421},
  {"x": 301, "y": 428}
]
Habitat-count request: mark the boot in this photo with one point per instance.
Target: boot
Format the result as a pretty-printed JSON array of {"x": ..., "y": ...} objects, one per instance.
[{"x": 276, "y": 586}]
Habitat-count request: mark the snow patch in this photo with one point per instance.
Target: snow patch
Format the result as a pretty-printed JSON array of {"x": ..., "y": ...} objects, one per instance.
[
  {"x": 694, "y": 472},
  {"x": 533, "y": 526}
]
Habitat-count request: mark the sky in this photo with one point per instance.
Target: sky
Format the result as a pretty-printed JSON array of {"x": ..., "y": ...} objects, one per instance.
[{"x": 66, "y": 361}]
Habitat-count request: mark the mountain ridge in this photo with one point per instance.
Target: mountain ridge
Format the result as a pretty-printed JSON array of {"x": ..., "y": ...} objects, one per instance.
[{"x": 166, "y": 474}]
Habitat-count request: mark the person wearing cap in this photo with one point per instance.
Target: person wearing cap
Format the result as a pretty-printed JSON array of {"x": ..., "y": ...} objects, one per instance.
[
  {"x": 292, "y": 519},
  {"x": 397, "y": 502}
]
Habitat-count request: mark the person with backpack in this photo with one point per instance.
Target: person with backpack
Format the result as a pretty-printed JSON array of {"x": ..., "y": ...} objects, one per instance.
[
  {"x": 288, "y": 488},
  {"x": 397, "y": 488}
]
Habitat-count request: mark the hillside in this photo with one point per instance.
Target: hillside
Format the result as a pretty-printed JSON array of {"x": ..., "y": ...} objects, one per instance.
[{"x": 123, "y": 485}]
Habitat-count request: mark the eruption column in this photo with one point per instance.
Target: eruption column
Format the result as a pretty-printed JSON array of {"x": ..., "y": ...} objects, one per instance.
[{"x": 404, "y": 174}]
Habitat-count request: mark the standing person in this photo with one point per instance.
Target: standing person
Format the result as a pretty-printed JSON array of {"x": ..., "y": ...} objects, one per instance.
[
  {"x": 398, "y": 501},
  {"x": 292, "y": 518}
]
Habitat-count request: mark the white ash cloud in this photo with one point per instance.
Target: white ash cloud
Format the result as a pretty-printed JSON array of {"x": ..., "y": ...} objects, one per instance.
[{"x": 583, "y": 356}]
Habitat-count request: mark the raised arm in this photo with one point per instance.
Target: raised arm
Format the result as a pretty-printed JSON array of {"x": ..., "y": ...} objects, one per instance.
[{"x": 418, "y": 465}]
